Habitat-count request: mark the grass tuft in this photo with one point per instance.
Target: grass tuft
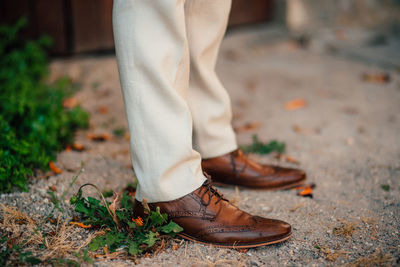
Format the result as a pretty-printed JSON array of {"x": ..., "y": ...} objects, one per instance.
[{"x": 264, "y": 148}]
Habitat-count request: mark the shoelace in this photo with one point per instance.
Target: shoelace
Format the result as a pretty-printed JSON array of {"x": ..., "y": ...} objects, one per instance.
[{"x": 211, "y": 191}]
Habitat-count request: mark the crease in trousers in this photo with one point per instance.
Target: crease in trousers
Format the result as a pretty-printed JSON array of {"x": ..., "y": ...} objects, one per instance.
[{"x": 178, "y": 111}]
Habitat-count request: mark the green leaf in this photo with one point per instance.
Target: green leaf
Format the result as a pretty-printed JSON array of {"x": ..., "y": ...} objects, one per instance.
[
  {"x": 93, "y": 201},
  {"x": 150, "y": 239},
  {"x": 81, "y": 207},
  {"x": 385, "y": 187},
  {"x": 96, "y": 243},
  {"x": 156, "y": 218},
  {"x": 126, "y": 201},
  {"x": 170, "y": 228},
  {"x": 32, "y": 260},
  {"x": 265, "y": 148},
  {"x": 133, "y": 249}
]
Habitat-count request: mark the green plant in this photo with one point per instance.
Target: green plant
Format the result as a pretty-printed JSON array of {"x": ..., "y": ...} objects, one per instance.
[
  {"x": 136, "y": 235},
  {"x": 34, "y": 125},
  {"x": 265, "y": 148},
  {"x": 24, "y": 257}
]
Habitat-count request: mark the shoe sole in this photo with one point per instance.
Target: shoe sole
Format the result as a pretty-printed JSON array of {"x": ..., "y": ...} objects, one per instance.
[
  {"x": 283, "y": 187},
  {"x": 235, "y": 246}
]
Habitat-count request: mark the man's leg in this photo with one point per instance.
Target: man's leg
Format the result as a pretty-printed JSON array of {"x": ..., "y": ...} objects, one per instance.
[
  {"x": 153, "y": 63},
  {"x": 206, "y": 22}
]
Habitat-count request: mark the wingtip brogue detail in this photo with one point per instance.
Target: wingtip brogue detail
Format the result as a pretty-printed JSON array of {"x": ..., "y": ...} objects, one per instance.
[
  {"x": 236, "y": 168},
  {"x": 208, "y": 218}
]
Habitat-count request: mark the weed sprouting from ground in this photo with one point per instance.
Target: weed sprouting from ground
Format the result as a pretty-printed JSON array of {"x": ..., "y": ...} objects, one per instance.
[
  {"x": 120, "y": 229},
  {"x": 264, "y": 148}
]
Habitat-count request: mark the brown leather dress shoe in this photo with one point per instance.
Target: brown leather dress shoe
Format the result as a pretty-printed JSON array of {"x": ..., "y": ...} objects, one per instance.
[
  {"x": 208, "y": 218},
  {"x": 236, "y": 169}
]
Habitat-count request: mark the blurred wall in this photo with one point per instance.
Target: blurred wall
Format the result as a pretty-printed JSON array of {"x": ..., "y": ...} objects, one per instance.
[
  {"x": 309, "y": 15},
  {"x": 85, "y": 25}
]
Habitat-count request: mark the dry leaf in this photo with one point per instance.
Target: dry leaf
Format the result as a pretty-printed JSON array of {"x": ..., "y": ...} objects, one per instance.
[
  {"x": 146, "y": 206},
  {"x": 350, "y": 141},
  {"x": 378, "y": 78},
  {"x": 295, "y": 104},
  {"x": 68, "y": 148},
  {"x": 70, "y": 102},
  {"x": 99, "y": 137},
  {"x": 243, "y": 103},
  {"x": 112, "y": 208},
  {"x": 80, "y": 224},
  {"x": 233, "y": 55},
  {"x": 293, "y": 45},
  {"x": 340, "y": 35},
  {"x": 102, "y": 110},
  {"x": 251, "y": 85},
  {"x": 291, "y": 159},
  {"x": 53, "y": 188},
  {"x": 307, "y": 192},
  {"x": 78, "y": 147},
  {"x": 44, "y": 175},
  {"x": 249, "y": 126},
  {"x": 297, "y": 206},
  {"x": 54, "y": 168},
  {"x": 306, "y": 131}
]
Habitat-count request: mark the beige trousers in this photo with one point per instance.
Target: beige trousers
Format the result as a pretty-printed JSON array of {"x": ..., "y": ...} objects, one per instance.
[{"x": 177, "y": 109}]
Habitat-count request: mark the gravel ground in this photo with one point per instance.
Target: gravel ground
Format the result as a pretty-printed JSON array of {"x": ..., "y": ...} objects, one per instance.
[{"x": 347, "y": 138}]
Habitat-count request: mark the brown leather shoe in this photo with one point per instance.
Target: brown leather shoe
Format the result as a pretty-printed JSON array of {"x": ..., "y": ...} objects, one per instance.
[
  {"x": 236, "y": 169},
  {"x": 208, "y": 218}
]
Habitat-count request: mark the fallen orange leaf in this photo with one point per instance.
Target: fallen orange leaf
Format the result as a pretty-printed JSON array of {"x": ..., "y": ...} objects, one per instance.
[
  {"x": 68, "y": 148},
  {"x": 70, "y": 102},
  {"x": 305, "y": 190},
  {"x": 81, "y": 224},
  {"x": 379, "y": 78},
  {"x": 295, "y": 104},
  {"x": 306, "y": 131},
  {"x": 53, "y": 188},
  {"x": 78, "y": 146},
  {"x": 102, "y": 109},
  {"x": 291, "y": 159},
  {"x": 248, "y": 127},
  {"x": 54, "y": 168},
  {"x": 340, "y": 35},
  {"x": 305, "y": 186},
  {"x": 99, "y": 137}
]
